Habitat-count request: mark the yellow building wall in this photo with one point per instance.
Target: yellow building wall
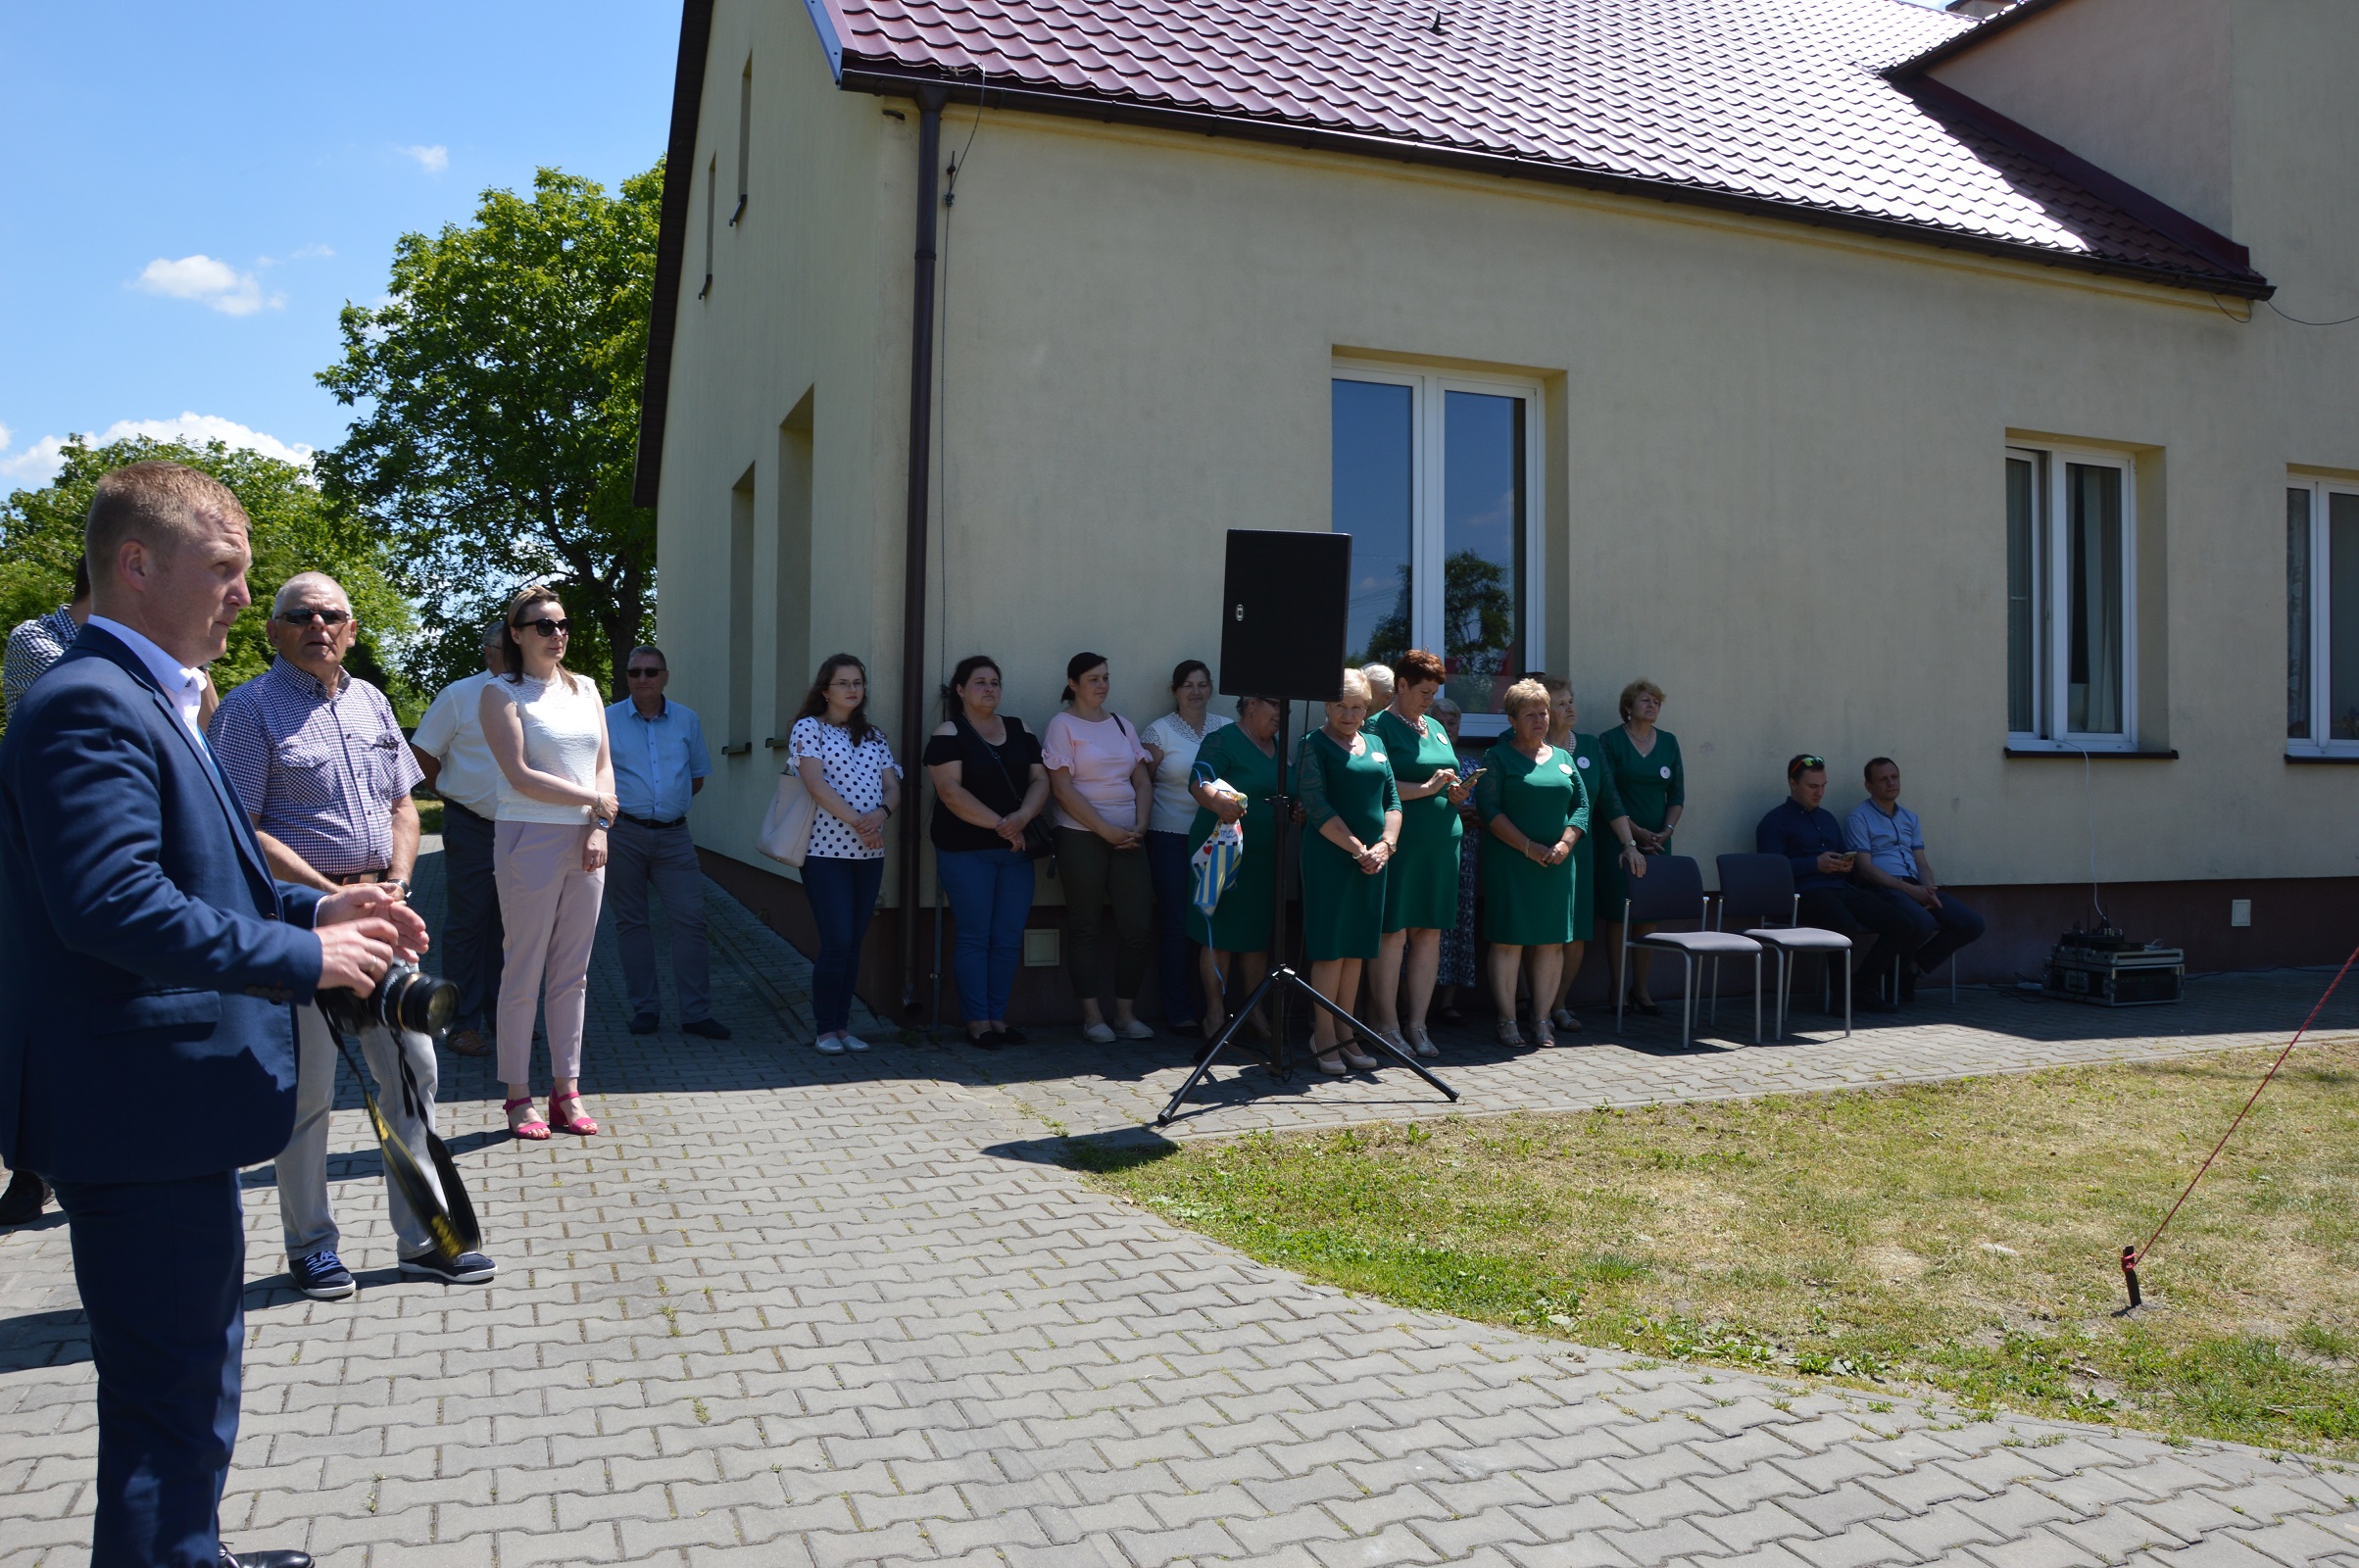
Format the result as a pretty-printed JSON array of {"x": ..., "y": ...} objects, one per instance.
[{"x": 1773, "y": 470}]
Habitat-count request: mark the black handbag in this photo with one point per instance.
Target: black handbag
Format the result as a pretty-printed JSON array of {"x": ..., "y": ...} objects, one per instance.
[{"x": 1040, "y": 840}]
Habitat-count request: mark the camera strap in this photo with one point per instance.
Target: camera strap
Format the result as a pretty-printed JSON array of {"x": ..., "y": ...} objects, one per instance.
[{"x": 450, "y": 1217}]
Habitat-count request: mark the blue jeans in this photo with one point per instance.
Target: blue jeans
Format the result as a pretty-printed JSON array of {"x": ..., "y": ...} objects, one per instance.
[
  {"x": 991, "y": 894},
  {"x": 843, "y": 897},
  {"x": 1940, "y": 931},
  {"x": 162, "y": 1271},
  {"x": 1175, "y": 971}
]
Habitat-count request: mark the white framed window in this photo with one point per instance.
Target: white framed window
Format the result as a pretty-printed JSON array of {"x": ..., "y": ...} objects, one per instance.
[
  {"x": 2072, "y": 600},
  {"x": 1437, "y": 479},
  {"x": 2322, "y": 617}
]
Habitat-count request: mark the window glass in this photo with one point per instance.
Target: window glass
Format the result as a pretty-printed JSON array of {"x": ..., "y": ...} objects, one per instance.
[
  {"x": 2342, "y": 616},
  {"x": 2023, "y": 555},
  {"x": 2297, "y": 614},
  {"x": 1374, "y": 500},
  {"x": 1482, "y": 547},
  {"x": 2093, "y": 544}
]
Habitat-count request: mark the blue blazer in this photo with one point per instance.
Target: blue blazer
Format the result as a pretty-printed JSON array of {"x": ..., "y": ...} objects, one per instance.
[{"x": 149, "y": 962}]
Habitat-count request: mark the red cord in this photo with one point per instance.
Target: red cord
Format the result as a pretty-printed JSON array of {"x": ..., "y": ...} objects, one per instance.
[{"x": 2141, "y": 1255}]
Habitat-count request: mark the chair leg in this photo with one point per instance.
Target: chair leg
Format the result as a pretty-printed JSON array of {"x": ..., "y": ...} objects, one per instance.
[
  {"x": 1953, "y": 979},
  {"x": 1756, "y": 998},
  {"x": 1687, "y": 1002},
  {"x": 1621, "y": 974},
  {"x": 1847, "y": 993}
]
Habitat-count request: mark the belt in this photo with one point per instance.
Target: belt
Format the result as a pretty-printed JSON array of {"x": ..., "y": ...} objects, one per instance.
[
  {"x": 348, "y": 878},
  {"x": 649, "y": 822}
]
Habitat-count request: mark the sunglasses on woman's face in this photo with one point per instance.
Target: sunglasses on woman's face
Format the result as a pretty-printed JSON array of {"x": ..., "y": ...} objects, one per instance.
[{"x": 548, "y": 628}]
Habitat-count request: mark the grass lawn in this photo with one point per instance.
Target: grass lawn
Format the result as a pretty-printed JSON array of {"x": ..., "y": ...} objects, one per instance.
[
  {"x": 1957, "y": 1239},
  {"x": 429, "y": 816}
]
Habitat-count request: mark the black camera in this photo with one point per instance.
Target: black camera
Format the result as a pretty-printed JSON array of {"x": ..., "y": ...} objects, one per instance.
[{"x": 406, "y": 999}]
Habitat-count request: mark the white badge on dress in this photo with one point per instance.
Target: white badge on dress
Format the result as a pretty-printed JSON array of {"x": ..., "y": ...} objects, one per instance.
[
  {"x": 1379, "y": 755},
  {"x": 1667, "y": 773},
  {"x": 1581, "y": 762},
  {"x": 1566, "y": 769}
]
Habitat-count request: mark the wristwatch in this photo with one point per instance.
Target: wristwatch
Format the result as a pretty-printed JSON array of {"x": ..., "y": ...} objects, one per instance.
[
  {"x": 602, "y": 823},
  {"x": 400, "y": 882}
]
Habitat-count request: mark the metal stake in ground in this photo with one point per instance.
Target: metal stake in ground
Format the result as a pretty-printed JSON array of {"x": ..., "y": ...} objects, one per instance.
[{"x": 1282, "y": 977}]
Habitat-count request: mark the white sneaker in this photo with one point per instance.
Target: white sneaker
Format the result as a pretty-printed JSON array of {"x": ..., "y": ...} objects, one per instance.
[
  {"x": 1137, "y": 1029},
  {"x": 830, "y": 1044},
  {"x": 1098, "y": 1034},
  {"x": 853, "y": 1043}
]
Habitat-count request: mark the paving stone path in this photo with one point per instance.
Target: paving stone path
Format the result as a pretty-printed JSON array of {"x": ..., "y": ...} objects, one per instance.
[{"x": 790, "y": 1309}]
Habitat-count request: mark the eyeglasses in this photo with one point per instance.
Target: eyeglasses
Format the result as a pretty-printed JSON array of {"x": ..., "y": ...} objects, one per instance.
[
  {"x": 645, "y": 672},
  {"x": 325, "y": 617},
  {"x": 548, "y": 628}
]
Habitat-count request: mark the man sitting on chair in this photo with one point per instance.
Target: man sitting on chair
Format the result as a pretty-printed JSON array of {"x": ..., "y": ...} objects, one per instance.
[
  {"x": 1807, "y": 834},
  {"x": 1890, "y": 844}
]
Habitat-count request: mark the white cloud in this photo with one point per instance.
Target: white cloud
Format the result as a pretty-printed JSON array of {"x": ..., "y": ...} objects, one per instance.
[
  {"x": 310, "y": 251},
  {"x": 39, "y": 462},
  {"x": 207, "y": 282},
  {"x": 433, "y": 160}
]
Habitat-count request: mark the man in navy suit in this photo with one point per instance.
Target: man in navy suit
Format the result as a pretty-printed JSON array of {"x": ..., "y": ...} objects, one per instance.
[{"x": 148, "y": 967}]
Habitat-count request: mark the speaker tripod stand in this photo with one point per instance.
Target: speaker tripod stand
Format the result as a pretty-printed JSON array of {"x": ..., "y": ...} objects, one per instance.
[{"x": 1283, "y": 979}]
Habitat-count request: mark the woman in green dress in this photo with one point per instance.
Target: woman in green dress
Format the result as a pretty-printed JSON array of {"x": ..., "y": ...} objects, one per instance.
[
  {"x": 1244, "y": 756},
  {"x": 1535, "y": 807},
  {"x": 1610, "y": 834},
  {"x": 1421, "y": 885},
  {"x": 1352, "y": 809},
  {"x": 1652, "y": 786}
]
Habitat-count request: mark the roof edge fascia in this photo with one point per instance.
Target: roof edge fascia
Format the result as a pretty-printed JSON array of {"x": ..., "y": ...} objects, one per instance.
[
  {"x": 861, "y": 77},
  {"x": 671, "y": 243},
  {"x": 1968, "y": 38}
]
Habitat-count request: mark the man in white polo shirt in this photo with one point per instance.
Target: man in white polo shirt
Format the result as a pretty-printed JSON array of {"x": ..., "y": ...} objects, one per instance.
[
  {"x": 1890, "y": 844},
  {"x": 448, "y": 746}
]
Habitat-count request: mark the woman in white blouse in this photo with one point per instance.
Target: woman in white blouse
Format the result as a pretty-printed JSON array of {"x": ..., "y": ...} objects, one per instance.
[
  {"x": 546, "y": 728},
  {"x": 849, "y": 770},
  {"x": 1171, "y": 743}
]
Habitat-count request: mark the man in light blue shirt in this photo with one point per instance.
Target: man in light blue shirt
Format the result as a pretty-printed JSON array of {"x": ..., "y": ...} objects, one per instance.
[
  {"x": 661, "y": 763},
  {"x": 1891, "y": 845}
]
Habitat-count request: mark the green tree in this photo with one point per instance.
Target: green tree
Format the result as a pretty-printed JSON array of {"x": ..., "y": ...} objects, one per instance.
[
  {"x": 295, "y": 530},
  {"x": 500, "y": 394}
]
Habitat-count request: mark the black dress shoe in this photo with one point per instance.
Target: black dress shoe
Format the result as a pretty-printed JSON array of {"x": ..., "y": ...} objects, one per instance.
[
  {"x": 1012, "y": 1036},
  {"x": 644, "y": 1023},
  {"x": 706, "y": 1028},
  {"x": 264, "y": 1559},
  {"x": 21, "y": 1203}
]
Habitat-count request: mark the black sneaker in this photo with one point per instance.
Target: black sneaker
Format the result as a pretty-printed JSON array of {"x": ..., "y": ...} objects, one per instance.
[
  {"x": 322, "y": 1276},
  {"x": 708, "y": 1028},
  {"x": 467, "y": 1268},
  {"x": 23, "y": 1202},
  {"x": 988, "y": 1040},
  {"x": 644, "y": 1024}
]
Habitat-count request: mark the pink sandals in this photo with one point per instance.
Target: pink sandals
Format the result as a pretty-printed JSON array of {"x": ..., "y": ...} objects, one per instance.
[
  {"x": 579, "y": 1125},
  {"x": 532, "y": 1129}
]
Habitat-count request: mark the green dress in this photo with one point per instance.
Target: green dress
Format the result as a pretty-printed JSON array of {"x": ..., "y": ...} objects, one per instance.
[
  {"x": 1647, "y": 788},
  {"x": 1242, "y": 922},
  {"x": 1598, "y": 846},
  {"x": 1527, "y": 904},
  {"x": 1421, "y": 883},
  {"x": 1343, "y": 907}
]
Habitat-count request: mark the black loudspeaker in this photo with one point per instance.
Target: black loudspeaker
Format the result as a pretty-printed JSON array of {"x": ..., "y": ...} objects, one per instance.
[{"x": 1284, "y": 613}]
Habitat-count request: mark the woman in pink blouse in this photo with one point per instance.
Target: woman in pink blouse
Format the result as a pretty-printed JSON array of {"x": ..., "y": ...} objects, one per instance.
[{"x": 1104, "y": 784}]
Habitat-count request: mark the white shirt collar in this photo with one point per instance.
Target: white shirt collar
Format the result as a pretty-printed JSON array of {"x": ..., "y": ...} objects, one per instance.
[{"x": 183, "y": 686}]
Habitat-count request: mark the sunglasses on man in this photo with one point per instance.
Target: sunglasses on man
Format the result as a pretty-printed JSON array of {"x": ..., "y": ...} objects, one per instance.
[
  {"x": 1806, "y": 765},
  {"x": 325, "y": 617},
  {"x": 645, "y": 672}
]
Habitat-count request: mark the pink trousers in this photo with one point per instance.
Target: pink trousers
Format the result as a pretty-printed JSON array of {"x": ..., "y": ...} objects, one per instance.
[{"x": 549, "y": 909}]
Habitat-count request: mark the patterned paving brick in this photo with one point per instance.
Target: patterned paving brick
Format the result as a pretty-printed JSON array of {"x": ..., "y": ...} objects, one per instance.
[{"x": 797, "y": 1310}]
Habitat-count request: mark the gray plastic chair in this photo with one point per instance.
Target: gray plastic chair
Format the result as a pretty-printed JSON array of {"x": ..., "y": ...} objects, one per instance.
[
  {"x": 1756, "y": 892},
  {"x": 1673, "y": 890}
]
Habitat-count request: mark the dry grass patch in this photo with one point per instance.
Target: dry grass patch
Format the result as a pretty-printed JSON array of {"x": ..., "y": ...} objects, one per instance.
[{"x": 1958, "y": 1239}]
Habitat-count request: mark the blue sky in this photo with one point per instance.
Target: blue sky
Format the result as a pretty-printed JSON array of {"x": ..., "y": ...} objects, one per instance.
[{"x": 190, "y": 193}]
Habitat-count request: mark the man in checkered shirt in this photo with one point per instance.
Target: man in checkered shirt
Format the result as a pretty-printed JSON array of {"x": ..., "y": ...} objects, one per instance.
[{"x": 317, "y": 760}]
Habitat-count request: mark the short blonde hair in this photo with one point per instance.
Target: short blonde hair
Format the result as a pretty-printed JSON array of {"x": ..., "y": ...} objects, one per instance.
[
  {"x": 1525, "y": 693},
  {"x": 157, "y": 502},
  {"x": 1637, "y": 689},
  {"x": 1359, "y": 678},
  {"x": 1379, "y": 677}
]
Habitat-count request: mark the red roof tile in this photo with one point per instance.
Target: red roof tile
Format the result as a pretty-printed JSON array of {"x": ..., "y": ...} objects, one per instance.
[{"x": 1778, "y": 101}]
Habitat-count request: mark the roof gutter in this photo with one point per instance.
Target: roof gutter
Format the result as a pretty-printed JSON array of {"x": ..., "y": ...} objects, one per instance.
[
  {"x": 900, "y": 83},
  {"x": 671, "y": 243},
  {"x": 930, "y": 99}
]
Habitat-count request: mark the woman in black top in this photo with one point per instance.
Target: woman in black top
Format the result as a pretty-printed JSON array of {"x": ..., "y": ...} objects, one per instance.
[{"x": 988, "y": 785}]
